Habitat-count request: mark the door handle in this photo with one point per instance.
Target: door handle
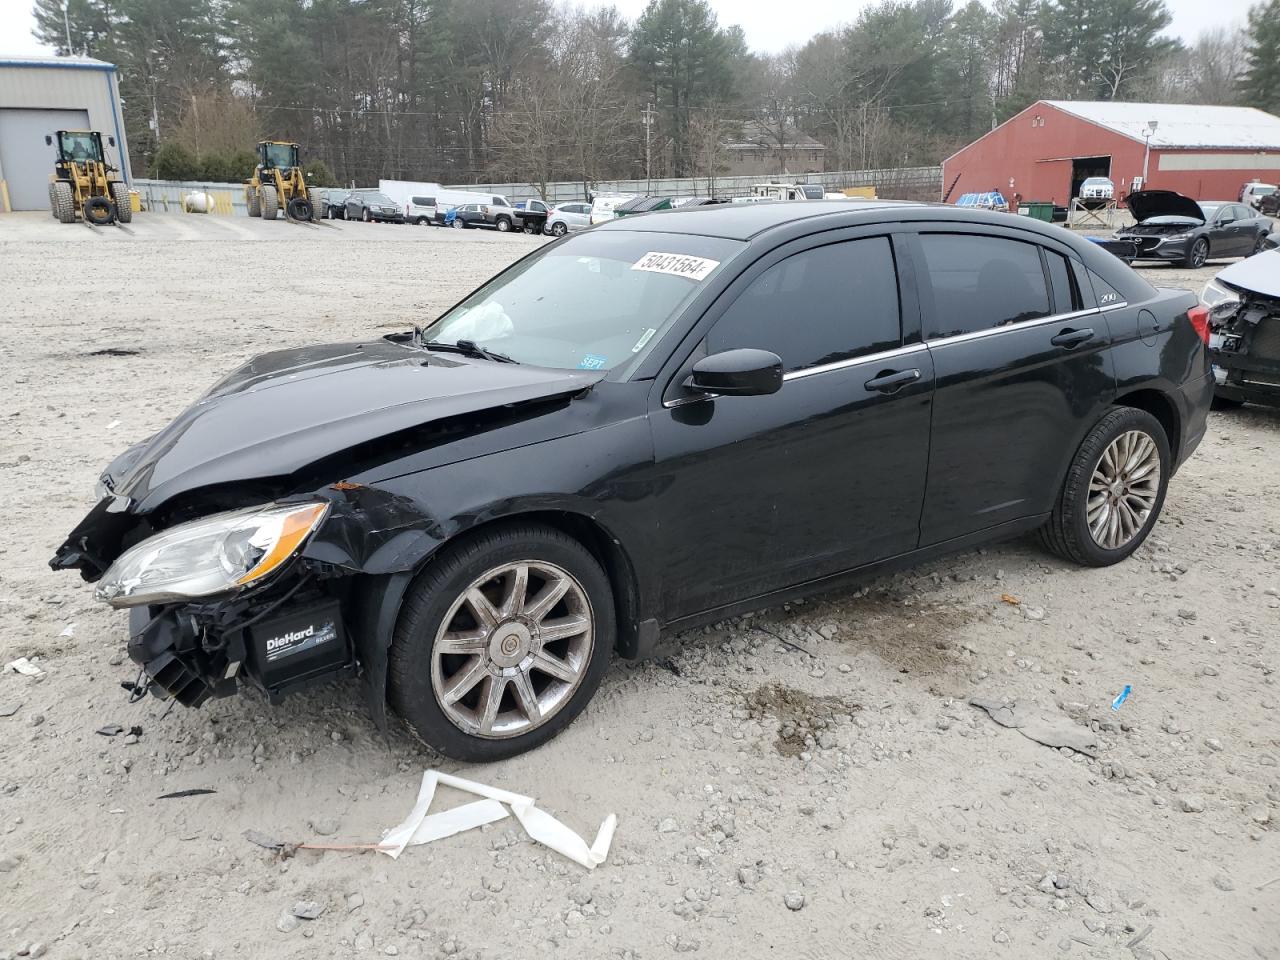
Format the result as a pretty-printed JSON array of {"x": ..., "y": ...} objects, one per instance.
[
  {"x": 1072, "y": 338},
  {"x": 891, "y": 381}
]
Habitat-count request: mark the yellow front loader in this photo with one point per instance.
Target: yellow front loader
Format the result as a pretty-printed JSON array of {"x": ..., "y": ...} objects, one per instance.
[
  {"x": 278, "y": 184},
  {"x": 82, "y": 185}
]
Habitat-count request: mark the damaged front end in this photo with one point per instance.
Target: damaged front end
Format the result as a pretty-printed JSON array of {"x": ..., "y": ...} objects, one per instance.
[
  {"x": 1244, "y": 319},
  {"x": 252, "y": 540}
]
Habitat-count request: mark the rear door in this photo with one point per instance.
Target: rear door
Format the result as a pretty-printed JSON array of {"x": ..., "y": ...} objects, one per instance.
[
  {"x": 761, "y": 493},
  {"x": 1023, "y": 370}
]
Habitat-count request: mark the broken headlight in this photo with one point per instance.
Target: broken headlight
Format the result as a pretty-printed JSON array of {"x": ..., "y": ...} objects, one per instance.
[{"x": 208, "y": 556}]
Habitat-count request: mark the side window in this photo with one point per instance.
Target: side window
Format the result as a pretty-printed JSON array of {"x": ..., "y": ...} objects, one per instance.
[
  {"x": 1066, "y": 297},
  {"x": 819, "y": 306},
  {"x": 981, "y": 282}
]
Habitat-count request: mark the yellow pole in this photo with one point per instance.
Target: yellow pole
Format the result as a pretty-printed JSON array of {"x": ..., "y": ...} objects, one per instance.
[{"x": 4, "y": 195}]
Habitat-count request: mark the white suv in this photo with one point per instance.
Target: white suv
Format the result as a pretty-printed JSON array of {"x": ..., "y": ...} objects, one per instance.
[{"x": 1097, "y": 188}]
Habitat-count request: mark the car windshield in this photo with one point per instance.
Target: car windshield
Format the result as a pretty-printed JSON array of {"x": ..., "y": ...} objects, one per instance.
[
  {"x": 598, "y": 301},
  {"x": 379, "y": 198}
]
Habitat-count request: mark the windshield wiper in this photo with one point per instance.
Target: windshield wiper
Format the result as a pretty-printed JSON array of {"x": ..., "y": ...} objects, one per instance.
[{"x": 468, "y": 348}]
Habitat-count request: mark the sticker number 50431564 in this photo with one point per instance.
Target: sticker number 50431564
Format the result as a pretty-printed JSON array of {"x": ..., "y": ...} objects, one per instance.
[{"x": 676, "y": 264}]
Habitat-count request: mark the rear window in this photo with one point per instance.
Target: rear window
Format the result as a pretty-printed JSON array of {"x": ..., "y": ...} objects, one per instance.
[
  {"x": 981, "y": 282},
  {"x": 499, "y": 202}
]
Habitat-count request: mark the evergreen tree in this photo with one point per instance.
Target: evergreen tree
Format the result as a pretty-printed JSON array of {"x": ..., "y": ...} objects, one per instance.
[{"x": 1261, "y": 84}]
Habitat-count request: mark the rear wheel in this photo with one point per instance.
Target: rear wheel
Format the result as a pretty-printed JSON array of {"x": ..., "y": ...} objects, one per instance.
[
  {"x": 64, "y": 202},
  {"x": 459, "y": 224},
  {"x": 1198, "y": 254},
  {"x": 252, "y": 202},
  {"x": 123, "y": 202},
  {"x": 270, "y": 203},
  {"x": 1113, "y": 492},
  {"x": 318, "y": 205},
  {"x": 501, "y": 643},
  {"x": 504, "y": 225}
]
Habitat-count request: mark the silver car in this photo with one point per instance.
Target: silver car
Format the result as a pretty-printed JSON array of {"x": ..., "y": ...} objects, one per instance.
[{"x": 568, "y": 216}]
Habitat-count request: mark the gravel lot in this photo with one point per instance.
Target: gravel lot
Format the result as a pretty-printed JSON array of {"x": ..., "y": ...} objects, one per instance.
[{"x": 808, "y": 782}]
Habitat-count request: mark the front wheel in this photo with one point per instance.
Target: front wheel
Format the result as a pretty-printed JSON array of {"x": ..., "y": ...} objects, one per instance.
[
  {"x": 1113, "y": 492},
  {"x": 459, "y": 224},
  {"x": 1259, "y": 244},
  {"x": 501, "y": 643},
  {"x": 1198, "y": 254},
  {"x": 559, "y": 229}
]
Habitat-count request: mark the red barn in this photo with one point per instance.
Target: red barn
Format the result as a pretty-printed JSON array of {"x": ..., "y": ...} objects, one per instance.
[{"x": 1047, "y": 150}]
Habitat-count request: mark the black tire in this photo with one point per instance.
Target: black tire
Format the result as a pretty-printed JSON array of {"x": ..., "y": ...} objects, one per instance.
[
  {"x": 409, "y": 685},
  {"x": 64, "y": 202},
  {"x": 252, "y": 202},
  {"x": 504, "y": 224},
  {"x": 53, "y": 200},
  {"x": 1197, "y": 254},
  {"x": 1259, "y": 244},
  {"x": 1226, "y": 403},
  {"x": 122, "y": 202},
  {"x": 1067, "y": 532},
  {"x": 364, "y": 215},
  {"x": 559, "y": 228},
  {"x": 299, "y": 208},
  {"x": 459, "y": 224},
  {"x": 270, "y": 203},
  {"x": 98, "y": 211}
]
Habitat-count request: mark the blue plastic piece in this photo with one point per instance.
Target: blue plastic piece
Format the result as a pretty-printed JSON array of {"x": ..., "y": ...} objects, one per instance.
[{"x": 1124, "y": 695}]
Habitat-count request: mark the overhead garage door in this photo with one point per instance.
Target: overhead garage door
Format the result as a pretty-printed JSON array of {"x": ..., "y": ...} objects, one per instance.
[{"x": 25, "y": 159}]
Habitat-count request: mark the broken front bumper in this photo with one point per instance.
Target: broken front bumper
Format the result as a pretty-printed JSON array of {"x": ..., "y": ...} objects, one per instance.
[{"x": 194, "y": 652}]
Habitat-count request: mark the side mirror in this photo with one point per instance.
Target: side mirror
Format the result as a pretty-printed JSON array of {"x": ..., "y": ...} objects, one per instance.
[
  {"x": 48, "y": 140},
  {"x": 111, "y": 141},
  {"x": 744, "y": 372}
]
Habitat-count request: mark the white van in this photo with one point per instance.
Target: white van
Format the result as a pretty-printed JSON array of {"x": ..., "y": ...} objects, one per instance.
[
  {"x": 422, "y": 209},
  {"x": 604, "y": 205},
  {"x": 787, "y": 191}
]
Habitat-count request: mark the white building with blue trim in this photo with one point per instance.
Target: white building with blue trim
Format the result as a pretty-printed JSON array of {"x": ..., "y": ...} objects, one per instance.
[{"x": 38, "y": 97}]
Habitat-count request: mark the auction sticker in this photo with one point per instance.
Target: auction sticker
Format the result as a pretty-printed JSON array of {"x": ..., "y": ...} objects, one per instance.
[{"x": 677, "y": 264}]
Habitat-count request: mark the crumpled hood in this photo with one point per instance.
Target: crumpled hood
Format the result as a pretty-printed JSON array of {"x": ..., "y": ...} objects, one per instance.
[
  {"x": 1258, "y": 274},
  {"x": 285, "y": 410},
  {"x": 1146, "y": 204}
]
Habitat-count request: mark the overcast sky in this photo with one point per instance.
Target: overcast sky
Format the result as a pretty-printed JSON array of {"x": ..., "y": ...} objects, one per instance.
[{"x": 769, "y": 25}]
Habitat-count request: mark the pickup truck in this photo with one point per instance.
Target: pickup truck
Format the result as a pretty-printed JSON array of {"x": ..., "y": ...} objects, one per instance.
[{"x": 530, "y": 216}]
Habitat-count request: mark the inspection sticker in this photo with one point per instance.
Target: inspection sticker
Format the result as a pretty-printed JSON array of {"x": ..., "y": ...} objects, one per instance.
[
  {"x": 592, "y": 362},
  {"x": 677, "y": 264}
]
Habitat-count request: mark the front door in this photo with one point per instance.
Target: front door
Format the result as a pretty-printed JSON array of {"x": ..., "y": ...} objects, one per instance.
[
  {"x": 760, "y": 493},
  {"x": 1021, "y": 371}
]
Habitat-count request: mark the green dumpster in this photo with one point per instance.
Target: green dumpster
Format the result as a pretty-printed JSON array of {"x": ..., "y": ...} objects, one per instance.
[{"x": 1036, "y": 210}]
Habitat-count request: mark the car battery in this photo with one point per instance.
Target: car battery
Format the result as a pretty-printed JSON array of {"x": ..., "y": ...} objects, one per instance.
[{"x": 300, "y": 644}]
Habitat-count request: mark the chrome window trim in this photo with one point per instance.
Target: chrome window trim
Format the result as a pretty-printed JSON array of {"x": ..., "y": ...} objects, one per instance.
[
  {"x": 1021, "y": 325},
  {"x": 854, "y": 361}
]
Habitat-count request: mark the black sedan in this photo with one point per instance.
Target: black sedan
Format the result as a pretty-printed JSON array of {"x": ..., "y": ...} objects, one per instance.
[
  {"x": 373, "y": 207},
  {"x": 1175, "y": 228},
  {"x": 663, "y": 421}
]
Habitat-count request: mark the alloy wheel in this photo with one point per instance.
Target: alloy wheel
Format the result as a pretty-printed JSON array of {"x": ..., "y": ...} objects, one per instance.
[
  {"x": 1123, "y": 489},
  {"x": 1199, "y": 253},
  {"x": 512, "y": 649}
]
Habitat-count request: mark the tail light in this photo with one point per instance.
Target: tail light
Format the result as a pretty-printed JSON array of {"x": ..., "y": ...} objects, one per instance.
[{"x": 1199, "y": 317}]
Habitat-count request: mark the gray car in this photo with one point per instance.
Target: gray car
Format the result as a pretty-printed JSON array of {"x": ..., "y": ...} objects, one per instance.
[{"x": 569, "y": 216}]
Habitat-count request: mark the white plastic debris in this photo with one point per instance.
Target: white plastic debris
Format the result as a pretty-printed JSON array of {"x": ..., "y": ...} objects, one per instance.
[
  {"x": 541, "y": 826},
  {"x": 113, "y": 424},
  {"x": 68, "y": 631},
  {"x": 24, "y": 666}
]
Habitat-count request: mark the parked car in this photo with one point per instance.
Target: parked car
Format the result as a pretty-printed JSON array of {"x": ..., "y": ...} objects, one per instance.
[
  {"x": 1097, "y": 188},
  {"x": 1251, "y": 193},
  {"x": 334, "y": 206},
  {"x": 530, "y": 216},
  {"x": 1175, "y": 228},
  {"x": 468, "y": 215},
  {"x": 372, "y": 206},
  {"x": 567, "y": 217},
  {"x": 1244, "y": 319},
  {"x": 1269, "y": 205},
  {"x": 1271, "y": 241},
  {"x": 421, "y": 209},
  {"x": 642, "y": 205},
  {"x": 657, "y": 423}
]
